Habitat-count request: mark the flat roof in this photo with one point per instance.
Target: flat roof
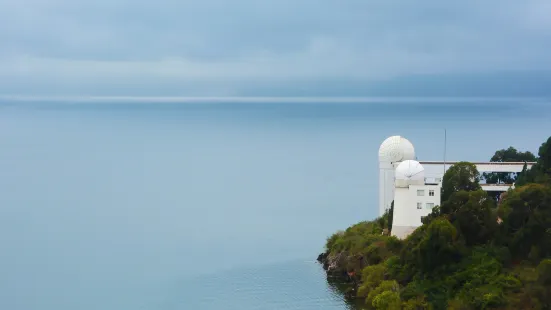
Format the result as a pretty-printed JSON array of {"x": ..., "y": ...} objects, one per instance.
[{"x": 478, "y": 163}]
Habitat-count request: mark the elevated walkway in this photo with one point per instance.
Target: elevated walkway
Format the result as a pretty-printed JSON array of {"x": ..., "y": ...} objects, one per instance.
[
  {"x": 484, "y": 166},
  {"x": 434, "y": 171},
  {"x": 496, "y": 187}
]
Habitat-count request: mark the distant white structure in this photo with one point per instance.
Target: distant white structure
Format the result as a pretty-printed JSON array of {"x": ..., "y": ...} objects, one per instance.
[
  {"x": 415, "y": 186},
  {"x": 413, "y": 198},
  {"x": 392, "y": 152}
]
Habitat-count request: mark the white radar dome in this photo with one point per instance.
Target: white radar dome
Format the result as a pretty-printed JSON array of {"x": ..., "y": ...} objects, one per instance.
[
  {"x": 395, "y": 149},
  {"x": 410, "y": 170}
]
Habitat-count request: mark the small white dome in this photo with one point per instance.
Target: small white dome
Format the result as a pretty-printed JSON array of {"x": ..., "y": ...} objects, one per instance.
[
  {"x": 395, "y": 149},
  {"x": 410, "y": 170}
]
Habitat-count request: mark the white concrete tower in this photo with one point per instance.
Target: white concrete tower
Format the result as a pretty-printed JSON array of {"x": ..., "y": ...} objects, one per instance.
[
  {"x": 413, "y": 198},
  {"x": 408, "y": 173},
  {"x": 392, "y": 151}
]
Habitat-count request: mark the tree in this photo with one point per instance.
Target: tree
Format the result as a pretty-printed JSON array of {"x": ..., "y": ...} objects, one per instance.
[
  {"x": 417, "y": 303},
  {"x": 524, "y": 177},
  {"x": 527, "y": 215},
  {"x": 372, "y": 276},
  {"x": 541, "y": 171},
  {"x": 462, "y": 176},
  {"x": 439, "y": 246},
  {"x": 544, "y": 272},
  {"x": 388, "y": 285},
  {"x": 545, "y": 157},
  {"x": 507, "y": 155},
  {"x": 472, "y": 214},
  {"x": 387, "y": 300},
  {"x": 389, "y": 214},
  {"x": 385, "y": 221}
]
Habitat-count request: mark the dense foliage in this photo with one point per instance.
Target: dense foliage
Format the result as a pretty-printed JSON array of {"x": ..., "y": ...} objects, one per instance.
[
  {"x": 507, "y": 155},
  {"x": 461, "y": 176},
  {"x": 470, "y": 253},
  {"x": 510, "y": 154}
]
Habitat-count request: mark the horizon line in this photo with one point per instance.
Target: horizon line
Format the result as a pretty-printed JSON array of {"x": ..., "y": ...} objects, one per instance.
[{"x": 258, "y": 99}]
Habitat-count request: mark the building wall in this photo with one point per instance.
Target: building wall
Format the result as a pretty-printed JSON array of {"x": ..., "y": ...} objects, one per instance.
[
  {"x": 435, "y": 171},
  {"x": 407, "y": 216},
  {"x": 386, "y": 186}
]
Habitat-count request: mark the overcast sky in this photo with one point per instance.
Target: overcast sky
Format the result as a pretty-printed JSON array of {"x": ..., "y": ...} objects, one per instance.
[{"x": 229, "y": 47}]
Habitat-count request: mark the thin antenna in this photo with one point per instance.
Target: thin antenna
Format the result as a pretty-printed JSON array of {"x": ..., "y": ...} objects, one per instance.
[{"x": 445, "y": 142}]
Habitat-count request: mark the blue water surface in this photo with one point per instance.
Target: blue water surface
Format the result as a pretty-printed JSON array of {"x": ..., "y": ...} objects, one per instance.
[{"x": 208, "y": 206}]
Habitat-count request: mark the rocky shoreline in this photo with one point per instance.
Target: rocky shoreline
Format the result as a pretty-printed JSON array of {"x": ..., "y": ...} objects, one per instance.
[{"x": 331, "y": 264}]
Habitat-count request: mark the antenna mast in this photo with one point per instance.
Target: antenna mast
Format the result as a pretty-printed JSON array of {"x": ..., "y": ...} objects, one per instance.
[{"x": 445, "y": 143}]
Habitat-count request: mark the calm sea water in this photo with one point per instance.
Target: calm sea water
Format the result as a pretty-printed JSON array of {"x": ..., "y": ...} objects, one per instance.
[{"x": 208, "y": 206}]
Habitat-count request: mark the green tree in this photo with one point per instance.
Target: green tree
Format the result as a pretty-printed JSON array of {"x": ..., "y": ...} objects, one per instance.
[
  {"x": 527, "y": 215},
  {"x": 418, "y": 303},
  {"x": 472, "y": 214},
  {"x": 544, "y": 272},
  {"x": 385, "y": 221},
  {"x": 524, "y": 177},
  {"x": 390, "y": 216},
  {"x": 545, "y": 157},
  {"x": 388, "y": 285},
  {"x": 372, "y": 276},
  {"x": 541, "y": 171},
  {"x": 388, "y": 300},
  {"x": 459, "y": 304},
  {"x": 483, "y": 281},
  {"x": 462, "y": 176},
  {"x": 507, "y": 155},
  {"x": 439, "y": 246}
]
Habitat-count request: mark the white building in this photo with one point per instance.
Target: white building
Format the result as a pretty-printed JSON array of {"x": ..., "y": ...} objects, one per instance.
[
  {"x": 414, "y": 198},
  {"x": 415, "y": 186},
  {"x": 392, "y": 152}
]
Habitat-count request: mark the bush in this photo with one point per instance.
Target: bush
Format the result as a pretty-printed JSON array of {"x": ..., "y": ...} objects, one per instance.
[
  {"x": 383, "y": 287},
  {"x": 387, "y": 300}
]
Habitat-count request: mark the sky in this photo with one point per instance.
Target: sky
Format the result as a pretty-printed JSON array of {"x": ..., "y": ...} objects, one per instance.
[{"x": 275, "y": 47}]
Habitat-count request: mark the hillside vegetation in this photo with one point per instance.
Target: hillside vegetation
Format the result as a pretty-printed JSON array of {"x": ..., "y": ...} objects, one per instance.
[{"x": 471, "y": 252}]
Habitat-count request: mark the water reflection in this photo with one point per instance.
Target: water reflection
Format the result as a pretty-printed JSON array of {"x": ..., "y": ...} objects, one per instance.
[{"x": 339, "y": 288}]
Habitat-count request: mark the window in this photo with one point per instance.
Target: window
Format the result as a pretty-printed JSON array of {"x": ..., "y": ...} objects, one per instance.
[
  {"x": 431, "y": 192},
  {"x": 430, "y": 205},
  {"x": 419, "y": 205},
  {"x": 420, "y": 192}
]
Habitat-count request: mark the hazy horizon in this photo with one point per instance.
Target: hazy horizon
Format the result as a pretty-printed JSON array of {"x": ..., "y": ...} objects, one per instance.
[
  {"x": 10, "y": 99},
  {"x": 251, "y": 48}
]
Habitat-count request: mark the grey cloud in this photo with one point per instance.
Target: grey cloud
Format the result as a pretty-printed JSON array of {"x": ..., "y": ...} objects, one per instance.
[{"x": 220, "y": 42}]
